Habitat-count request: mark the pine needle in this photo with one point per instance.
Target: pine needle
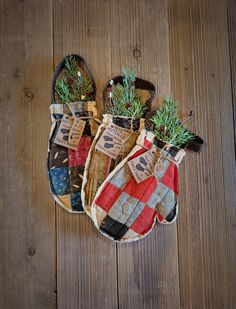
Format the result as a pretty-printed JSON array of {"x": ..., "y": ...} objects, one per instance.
[
  {"x": 74, "y": 84},
  {"x": 167, "y": 125},
  {"x": 126, "y": 98}
]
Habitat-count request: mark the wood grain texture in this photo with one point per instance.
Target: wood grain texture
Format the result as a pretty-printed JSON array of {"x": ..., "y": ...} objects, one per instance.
[
  {"x": 231, "y": 10},
  {"x": 52, "y": 259},
  {"x": 27, "y": 225},
  {"x": 147, "y": 270},
  {"x": 231, "y": 212},
  {"x": 86, "y": 260},
  {"x": 200, "y": 75}
]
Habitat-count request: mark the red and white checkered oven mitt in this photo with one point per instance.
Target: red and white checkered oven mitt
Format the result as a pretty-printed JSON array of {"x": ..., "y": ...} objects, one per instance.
[{"x": 125, "y": 210}]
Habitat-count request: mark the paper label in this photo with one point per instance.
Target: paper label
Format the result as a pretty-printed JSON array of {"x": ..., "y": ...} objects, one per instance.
[
  {"x": 112, "y": 140},
  {"x": 76, "y": 133},
  {"x": 62, "y": 137},
  {"x": 142, "y": 167}
]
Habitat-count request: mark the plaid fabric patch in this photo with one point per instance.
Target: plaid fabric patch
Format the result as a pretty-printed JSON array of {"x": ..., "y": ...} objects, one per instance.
[{"x": 125, "y": 210}]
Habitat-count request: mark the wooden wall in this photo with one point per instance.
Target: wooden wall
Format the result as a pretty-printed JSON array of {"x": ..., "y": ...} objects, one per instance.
[{"x": 52, "y": 259}]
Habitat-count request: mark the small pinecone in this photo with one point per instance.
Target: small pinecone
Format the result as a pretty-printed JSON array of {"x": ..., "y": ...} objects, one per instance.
[{"x": 196, "y": 144}]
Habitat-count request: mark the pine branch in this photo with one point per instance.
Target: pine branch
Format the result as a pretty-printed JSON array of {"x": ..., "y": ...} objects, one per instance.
[
  {"x": 167, "y": 125},
  {"x": 126, "y": 98},
  {"x": 63, "y": 91},
  {"x": 74, "y": 84}
]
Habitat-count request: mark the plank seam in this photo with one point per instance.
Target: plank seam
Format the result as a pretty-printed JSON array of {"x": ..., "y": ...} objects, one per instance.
[
  {"x": 55, "y": 204},
  {"x": 117, "y": 278},
  {"x": 170, "y": 34},
  {"x": 231, "y": 70}
]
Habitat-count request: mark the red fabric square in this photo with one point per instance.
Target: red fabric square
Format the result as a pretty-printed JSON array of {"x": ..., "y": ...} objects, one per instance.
[
  {"x": 170, "y": 178},
  {"x": 147, "y": 144},
  {"x": 141, "y": 191},
  {"x": 108, "y": 196},
  {"x": 78, "y": 157},
  {"x": 144, "y": 221}
]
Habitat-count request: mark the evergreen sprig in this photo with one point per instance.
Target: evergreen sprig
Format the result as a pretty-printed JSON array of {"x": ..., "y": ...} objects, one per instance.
[
  {"x": 126, "y": 98},
  {"x": 167, "y": 125},
  {"x": 74, "y": 84}
]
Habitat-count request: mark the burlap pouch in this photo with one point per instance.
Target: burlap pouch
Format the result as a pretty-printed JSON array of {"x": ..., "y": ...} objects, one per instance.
[
  {"x": 124, "y": 210},
  {"x": 99, "y": 165},
  {"x": 66, "y": 166}
]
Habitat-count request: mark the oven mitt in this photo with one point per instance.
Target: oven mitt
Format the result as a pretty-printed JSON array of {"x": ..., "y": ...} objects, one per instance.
[
  {"x": 124, "y": 210},
  {"x": 65, "y": 165},
  {"x": 99, "y": 165}
]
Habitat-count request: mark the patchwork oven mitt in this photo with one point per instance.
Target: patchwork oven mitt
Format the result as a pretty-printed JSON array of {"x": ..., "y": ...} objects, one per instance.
[
  {"x": 109, "y": 148},
  {"x": 144, "y": 186},
  {"x": 74, "y": 124}
]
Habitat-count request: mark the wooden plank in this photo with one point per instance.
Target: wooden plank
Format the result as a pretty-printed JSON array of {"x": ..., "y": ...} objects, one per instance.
[
  {"x": 86, "y": 260},
  {"x": 27, "y": 259},
  {"x": 230, "y": 211},
  {"x": 200, "y": 75},
  {"x": 147, "y": 269},
  {"x": 232, "y": 44}
]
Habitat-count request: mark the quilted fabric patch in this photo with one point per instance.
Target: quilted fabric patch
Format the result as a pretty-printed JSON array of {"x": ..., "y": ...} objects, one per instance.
[
  {"x": 60, "y": 180},
  {"x": 75, "y": 199}
]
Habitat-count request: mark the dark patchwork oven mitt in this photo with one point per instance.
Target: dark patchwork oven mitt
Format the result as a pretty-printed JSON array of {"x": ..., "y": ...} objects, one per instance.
[
  {"x": 143, "y": 188},
  {"x": 74, "y": 124},
  {"x": 117, "y": 134}
]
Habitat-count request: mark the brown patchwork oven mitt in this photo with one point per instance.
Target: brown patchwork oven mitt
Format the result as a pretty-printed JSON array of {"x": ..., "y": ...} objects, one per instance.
[
  {"x": 143, "y": 188},
  {"x": 127, "y": 101},
  {"x": 74, "y": 124}
]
